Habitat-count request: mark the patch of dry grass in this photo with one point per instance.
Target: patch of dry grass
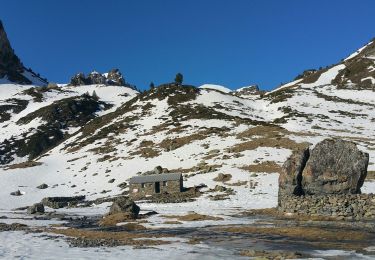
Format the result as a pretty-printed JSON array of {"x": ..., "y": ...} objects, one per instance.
[
  {"x": 112, "y": 220},
  {"x": 370, "y": 175},
  {"x": 309, "y": 233},
  {"x": 192, "y": 217},
  {"x": 124, "y": 237},
  {"x": 267, "y": 166},
  {"x": 23, "y": 165}
]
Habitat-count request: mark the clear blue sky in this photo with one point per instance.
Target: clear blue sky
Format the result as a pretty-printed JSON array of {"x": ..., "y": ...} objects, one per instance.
[{"x": 228, "y": 42}]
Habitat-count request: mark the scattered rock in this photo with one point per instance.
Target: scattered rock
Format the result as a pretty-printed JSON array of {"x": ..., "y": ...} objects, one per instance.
[
  {"x": 42, "y": 186},
  {"x": 111, "y": 181},
  {"x": 36, "y": 208},
  {"x": 123, "y": 185},
  {"x": 158, "y": 170},
  {"x": 125, "y": 205},
  {"x": 223, "y": 177},
  {"x": 16, "y": 193},
  {"x": 60, "y": 202}
]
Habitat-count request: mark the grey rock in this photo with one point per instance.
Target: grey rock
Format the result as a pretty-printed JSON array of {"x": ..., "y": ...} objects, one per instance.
[
  {"x": 335, "y": 166},
  {"x": 16, "y": 193},
  {"x": 125, "y": 205},
  {"x": 36, "y": 208},
  {"x": 158, "y": 170},
  {"x": 291, "y": 174},
  {"x": 60, "y": 202},
  {"x": 115, "y": 78},
  {"x": 42, "y": 186},
  {"x": 78, "y": 80}
]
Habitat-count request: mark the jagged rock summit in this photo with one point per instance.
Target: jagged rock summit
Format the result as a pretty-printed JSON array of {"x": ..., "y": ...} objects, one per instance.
[
  {"x": 11, "y": 67},
  {"x": 334, "y": 166},
  {"x": 112, "y": 78}
]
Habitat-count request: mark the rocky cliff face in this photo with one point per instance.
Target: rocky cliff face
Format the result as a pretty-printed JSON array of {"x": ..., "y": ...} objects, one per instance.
[
  {"x": 11, "y": 67},
  {"x": 112, "y": 78},
  {"x": 10, "y": 64}
]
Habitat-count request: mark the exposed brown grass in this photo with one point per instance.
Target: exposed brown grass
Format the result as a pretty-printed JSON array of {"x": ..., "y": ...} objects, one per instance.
[
  {"x": 23, "y": 165},
  {"x": 124, "y": 237},
  {"x": 171, "y": 222},
  {"x": 265, "y": 136},
  {"x": 370, "y": 175},
  {"x": 192, "y": 217},
  {"x": 112, "y": 220},
  {"x": 309, "y": 233},
  {"x": 222, "y": 177},
  {"x": 237, "y": 183},
  {"x": 268, "y": 167},
  {"x": 280, "y": 142}
]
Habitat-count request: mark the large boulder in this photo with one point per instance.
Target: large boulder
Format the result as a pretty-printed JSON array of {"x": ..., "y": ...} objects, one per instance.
[
  {"x": 125, "y": 205},
  {"x": 335, "y": 166},
  {"x": 291, "y": 174}
]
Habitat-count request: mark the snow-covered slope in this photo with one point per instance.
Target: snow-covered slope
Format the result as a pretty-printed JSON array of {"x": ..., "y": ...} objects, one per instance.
[{"x": 199, "y": 132}]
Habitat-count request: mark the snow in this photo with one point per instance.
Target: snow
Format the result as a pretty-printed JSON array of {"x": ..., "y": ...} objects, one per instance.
[
  {"x": 216, "y": 87},
  {"x": 357, "y": 52}
]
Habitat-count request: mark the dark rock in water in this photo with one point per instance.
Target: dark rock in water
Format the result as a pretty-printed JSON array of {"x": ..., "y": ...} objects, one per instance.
[
  {"x": 42, "y": 186},
  {"x": 16, "y": 193},
  {"x": 125, "y": 205},
  {"x": 60, "y": 202},
  {"x": 36, "y": 208},
  {"x": 291, "y": 174},
  {"x": 335, "y": 167}
]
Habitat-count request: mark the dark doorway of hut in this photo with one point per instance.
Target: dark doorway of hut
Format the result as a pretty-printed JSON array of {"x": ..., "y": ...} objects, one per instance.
[{"x": 157, "y": 187}]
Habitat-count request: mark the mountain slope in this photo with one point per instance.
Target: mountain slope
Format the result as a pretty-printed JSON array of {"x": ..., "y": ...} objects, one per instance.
[
  {"x": 199, "y": 132},
  {"x": 11, "y": 67}
]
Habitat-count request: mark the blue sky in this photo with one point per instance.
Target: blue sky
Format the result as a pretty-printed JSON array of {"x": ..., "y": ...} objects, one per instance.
[{"x": 228, "y": 42}]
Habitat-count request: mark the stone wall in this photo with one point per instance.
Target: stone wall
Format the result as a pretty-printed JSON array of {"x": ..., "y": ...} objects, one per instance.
[
  {"x": 149, "y": 188},
  {"x": 339, "y": 206}
]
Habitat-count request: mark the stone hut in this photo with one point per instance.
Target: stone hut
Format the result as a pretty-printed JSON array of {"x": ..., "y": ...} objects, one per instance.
[{"x": 156, "y": 183}]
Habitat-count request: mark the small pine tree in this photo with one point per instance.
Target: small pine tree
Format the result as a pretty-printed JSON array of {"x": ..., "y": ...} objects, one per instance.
[
  {"x": 152, "y": 85},
  {"x": 94, "y": 95},
  {"x": 179, "y": 78}
]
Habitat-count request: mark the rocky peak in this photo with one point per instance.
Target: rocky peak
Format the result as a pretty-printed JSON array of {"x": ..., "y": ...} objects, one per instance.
[
  {"x": 11, "y": 67},
  {"x": 10, "y": 64},
  {"x": 112, "y": 78}
]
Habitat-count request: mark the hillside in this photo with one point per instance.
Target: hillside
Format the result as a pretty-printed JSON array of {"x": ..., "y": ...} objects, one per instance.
[
  {"x": 199, "y": 132},
  {"x": 90, "y": 136}
]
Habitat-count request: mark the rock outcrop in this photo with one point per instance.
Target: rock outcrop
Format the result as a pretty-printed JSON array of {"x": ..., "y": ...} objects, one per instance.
[
  {"x": 334, "y": 166},
  {"x": 11, "y": 66},
  {"x": 36, "y": 208},
  {"x": 112, "y": 78},
  {"x": 125, "y": 205},
  {"x": 291, "y": 175},
  {"x": 60, "y": 202}
]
